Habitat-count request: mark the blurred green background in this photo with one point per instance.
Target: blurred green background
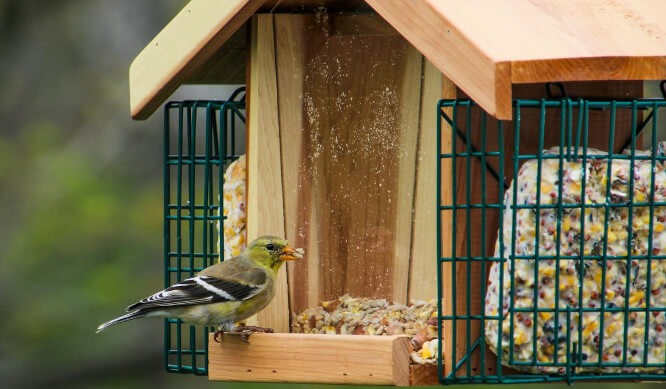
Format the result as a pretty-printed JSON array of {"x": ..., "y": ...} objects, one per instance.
[{"x": 80, "y": 197}]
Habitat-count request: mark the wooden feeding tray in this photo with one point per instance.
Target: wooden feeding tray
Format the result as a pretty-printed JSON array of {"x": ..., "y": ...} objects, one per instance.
[{"x": 324, "y": 359}]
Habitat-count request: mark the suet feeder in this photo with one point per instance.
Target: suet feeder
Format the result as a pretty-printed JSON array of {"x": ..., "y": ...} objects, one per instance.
[{"x": 395, "y": 194}]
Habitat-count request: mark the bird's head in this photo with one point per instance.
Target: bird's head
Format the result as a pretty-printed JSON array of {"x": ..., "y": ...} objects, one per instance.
[{"x": 271, "y": 251}]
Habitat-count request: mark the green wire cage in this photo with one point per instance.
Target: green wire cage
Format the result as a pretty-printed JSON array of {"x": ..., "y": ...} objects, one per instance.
[
  {"x": 552, "y": 261},
  {"x": 201, "y": 138}
]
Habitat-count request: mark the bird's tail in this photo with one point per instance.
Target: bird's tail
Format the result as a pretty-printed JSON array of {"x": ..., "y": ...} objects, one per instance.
[{"x": 129, "y": 316}]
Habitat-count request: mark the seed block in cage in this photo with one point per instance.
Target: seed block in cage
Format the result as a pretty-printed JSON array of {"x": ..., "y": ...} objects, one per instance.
[
  {"x": 565, "y": 242},
  {"x": 234, "y": 232},
  {"x": 583, "y": 264}
]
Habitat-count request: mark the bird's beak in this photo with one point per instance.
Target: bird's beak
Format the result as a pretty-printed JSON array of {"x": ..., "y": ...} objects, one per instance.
[{"x": 289, "y": 254}]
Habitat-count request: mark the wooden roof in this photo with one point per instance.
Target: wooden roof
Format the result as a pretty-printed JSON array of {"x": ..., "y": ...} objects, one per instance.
[{"x": 484, "y": 46}]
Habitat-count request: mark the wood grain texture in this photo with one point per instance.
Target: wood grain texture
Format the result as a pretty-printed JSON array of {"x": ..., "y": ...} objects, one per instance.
[
  {"x": 541, "y": 29},
  {"x": 300, "y": 358},
  {"x": 533, "y": 41},
  {"x": 423, "y": 375},
  {"x": 227, "y": 65},
  {"x": 450, "y": 51},
  {"x": 588, "y": 69},
  {"x": 423, "y": 267},
  {"x": 290, "y": 40},
  {"x": 408, "y": 129},
  {"x": 265, "y": 213},
  {"x": 297, "y": 6},
  {"x": 177, "y": 52},
  {"x": 349, "y": 125}
]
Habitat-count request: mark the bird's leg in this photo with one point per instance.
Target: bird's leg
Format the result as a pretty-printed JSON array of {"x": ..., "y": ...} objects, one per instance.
[
  {"x": 246, "y": 331},
  {"x": 221, "y": 329}
]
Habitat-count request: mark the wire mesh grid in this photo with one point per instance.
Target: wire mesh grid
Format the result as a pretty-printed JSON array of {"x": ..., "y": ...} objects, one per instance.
[
  {"x": 201, "y": 138},
  {"x": 558, "y": 274}
]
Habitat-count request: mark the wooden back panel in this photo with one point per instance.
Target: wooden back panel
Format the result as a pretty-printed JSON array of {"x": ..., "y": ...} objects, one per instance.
[{"x": 351, "y": 102}]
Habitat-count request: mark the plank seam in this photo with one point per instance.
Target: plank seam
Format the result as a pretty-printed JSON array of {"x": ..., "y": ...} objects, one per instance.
[
  {"x": 282, "y": 173},
  {"x": 416, "y": 175}
]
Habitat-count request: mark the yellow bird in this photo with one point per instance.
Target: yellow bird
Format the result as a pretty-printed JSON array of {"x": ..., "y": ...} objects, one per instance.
[{"x": 222, "y": 294}]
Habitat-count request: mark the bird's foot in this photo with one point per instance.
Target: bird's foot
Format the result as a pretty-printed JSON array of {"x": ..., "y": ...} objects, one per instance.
[
  {"x": 218, "y": 336},
  {"x": 227, "y": 326},
  {"x": 246, "y": 331}
]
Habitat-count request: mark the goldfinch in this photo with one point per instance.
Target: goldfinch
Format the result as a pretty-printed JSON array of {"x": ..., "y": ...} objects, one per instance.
[{"x": 221, "y": 294}]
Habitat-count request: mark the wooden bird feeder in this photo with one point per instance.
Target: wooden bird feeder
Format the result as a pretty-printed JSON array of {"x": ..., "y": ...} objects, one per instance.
[{"x": 341, "y": 129}]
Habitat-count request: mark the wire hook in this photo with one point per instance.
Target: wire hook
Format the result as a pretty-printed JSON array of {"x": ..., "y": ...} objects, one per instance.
[{"x": 558, "y": 85}]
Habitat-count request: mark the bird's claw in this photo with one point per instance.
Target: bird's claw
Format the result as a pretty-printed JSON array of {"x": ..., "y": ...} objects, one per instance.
[
  {"x": 246, "y": 331},
  {"x": 218, "y": 335},
  {"x": 245, "y": 336}
]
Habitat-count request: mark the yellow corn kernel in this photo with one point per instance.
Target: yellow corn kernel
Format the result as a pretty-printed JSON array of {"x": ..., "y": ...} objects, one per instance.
[
  {"x": 574, "y": 187},
  {"x": 636, "y": 297},
  {"x": 597, "y": 278},
  {"x": 590, "y": 328},
  {"x": 425, "y": 352},
  {"x": 639, "y": 196},
  {"x": 658, "y": 227},
  {"x": 610, "y": 294},
  {"x": 567, "y": 282},
  {"x": 596, "y": 227},
  {"x": 566, "y": 225},
  {"x": 611, "y": 237},
  {"x": 547, "y": 272},
  {"x": 545, "y": 315},
  {"x": 521, "y": 338},
  {"x": 612, "y": 327},
  {"x": 546, "y": 187},
  {"x": 622, "y": 234},
  {"x": 549, "y": 350}
]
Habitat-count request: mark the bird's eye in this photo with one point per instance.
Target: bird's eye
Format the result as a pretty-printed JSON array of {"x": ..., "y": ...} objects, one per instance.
[{"x": 270, "y": 246}]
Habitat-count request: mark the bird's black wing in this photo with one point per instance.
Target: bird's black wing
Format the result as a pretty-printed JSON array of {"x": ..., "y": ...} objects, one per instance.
[{"x": 198, "y": 290}]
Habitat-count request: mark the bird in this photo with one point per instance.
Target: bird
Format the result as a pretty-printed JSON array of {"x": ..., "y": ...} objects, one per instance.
[{"x": 222, "y": 294}]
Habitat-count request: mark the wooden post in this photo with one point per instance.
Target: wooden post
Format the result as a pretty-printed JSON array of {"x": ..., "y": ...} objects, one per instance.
[
  {"x": 423, "y": 270},
  {"x": 265, "y": 198}
]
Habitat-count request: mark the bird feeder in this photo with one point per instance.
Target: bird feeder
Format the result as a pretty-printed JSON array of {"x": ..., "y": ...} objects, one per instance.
[{"x": 393, "y": 193}]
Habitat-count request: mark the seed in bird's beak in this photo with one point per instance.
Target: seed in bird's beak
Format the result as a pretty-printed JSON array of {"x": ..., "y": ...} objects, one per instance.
[{"x": 289, "y": 254}]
